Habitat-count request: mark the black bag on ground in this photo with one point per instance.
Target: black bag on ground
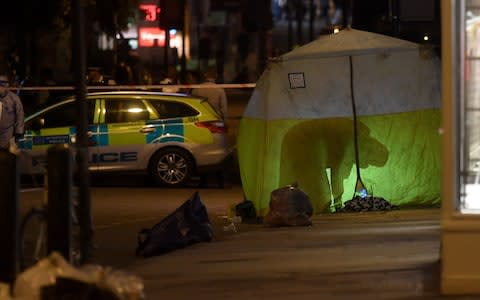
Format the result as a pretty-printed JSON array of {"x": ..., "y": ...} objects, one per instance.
[
  {"x": 187, "y": 225},
  {"x": 246, "y": 210}
]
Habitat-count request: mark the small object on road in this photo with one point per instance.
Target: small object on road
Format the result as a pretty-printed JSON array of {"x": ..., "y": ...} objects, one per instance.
[
  {"x": 246, "y": 211},
  {"x": 289, "y": 206},
  {"x": 230, "y": 227},
  {"x": 231, "y": 223}
]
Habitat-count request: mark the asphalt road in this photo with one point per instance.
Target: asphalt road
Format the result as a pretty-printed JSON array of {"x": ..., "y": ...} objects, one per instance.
[
  {"x": 121, "y": 210},
  {"x": 373, "y": 255}
]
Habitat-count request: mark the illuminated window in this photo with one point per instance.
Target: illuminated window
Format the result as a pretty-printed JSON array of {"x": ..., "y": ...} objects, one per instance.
[
  {"x": 125, "y": 110},
  {"x": 468, "y": 131}
]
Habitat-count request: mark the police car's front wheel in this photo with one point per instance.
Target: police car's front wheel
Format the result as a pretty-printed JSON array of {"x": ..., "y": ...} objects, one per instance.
[{"x": 171, "y": 167}]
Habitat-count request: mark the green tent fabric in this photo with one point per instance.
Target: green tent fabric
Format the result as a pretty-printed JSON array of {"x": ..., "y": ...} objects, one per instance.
[{"x": 298, "y": 126}]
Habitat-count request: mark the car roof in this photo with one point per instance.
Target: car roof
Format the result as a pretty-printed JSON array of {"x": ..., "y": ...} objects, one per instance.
[
  {"x": 69, "y": 98},
  {"x": 137, "y": 93},
  {"x": 63, "y": 98}
]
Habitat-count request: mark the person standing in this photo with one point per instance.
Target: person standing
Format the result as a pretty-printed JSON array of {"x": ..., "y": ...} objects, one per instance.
[
  {"x": 216, "y": 96},
  {"x": 95, "y": 77},
  {"x": 11, "y": 115},
  {"x": 170, "y": 78},
  {"x": 190, "y": 78},
  {"x": 123, "y": 73}
]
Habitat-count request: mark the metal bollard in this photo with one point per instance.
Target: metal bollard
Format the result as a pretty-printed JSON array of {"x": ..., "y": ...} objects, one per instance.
[
  {"x": 59, "y": 174},
  {"x": 9, "y": 215}
]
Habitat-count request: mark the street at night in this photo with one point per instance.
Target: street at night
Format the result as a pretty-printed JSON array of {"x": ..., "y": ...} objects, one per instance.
[
  {"x": 240, "y": 149},
  {"x": 371, "y": 255}
]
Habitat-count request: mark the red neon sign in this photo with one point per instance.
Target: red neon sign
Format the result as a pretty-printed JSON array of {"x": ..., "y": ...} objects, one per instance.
[
  {"x": 152, "y": 36},
  {"x": 151, "y": 11},
  {"x": 148, "y": 36}
]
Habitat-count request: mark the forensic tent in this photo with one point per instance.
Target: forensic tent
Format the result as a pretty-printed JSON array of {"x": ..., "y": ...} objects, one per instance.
[{"x": 346, "y": 99}]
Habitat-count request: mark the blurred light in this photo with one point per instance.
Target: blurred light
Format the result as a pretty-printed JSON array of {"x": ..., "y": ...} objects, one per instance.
[
  {"x": 425, "y": 37},
  {"x": 135, "y": 110},
  {"x": 363, "y": 193},
  {"x": 133, "y": 43},
  {"x": 336, "y": 30},
  {"x": 130, "y": 33},
  {"x": 105, "y": 42},
  {"x": 176, "y": 41}
]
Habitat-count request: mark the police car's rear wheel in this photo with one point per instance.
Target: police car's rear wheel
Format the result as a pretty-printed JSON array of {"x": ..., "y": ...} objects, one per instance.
[{"x": 171, "y": 167}]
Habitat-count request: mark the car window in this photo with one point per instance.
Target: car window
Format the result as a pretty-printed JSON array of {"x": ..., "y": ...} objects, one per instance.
[
  {"x": 62, "y": 116},
  {"x": 125, "y": 110},
  {"x": 170, "y": 109}
]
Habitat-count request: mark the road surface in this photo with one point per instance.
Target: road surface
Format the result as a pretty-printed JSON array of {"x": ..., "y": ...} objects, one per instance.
[{"x": 373, "y": 255}]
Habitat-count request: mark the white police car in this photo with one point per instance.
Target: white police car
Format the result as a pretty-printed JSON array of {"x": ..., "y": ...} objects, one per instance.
[{"x": 170, "y": 136}]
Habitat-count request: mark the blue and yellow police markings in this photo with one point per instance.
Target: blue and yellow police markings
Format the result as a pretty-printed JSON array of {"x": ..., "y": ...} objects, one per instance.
[
  {"x": 166, "y": 131},
  {"x": 51, "y": 139},
  {"x": 125, "y": 134},
  {"x": 102, "y": 139},
  {"x": 26, "y": 143},
  {"x": 113, "y": 157},
  {"x": 48, "y": 137},
  {"x": 182, "y": 130}
]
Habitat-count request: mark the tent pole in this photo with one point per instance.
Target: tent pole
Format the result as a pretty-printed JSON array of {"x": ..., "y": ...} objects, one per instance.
[{"x": 355, "y": 131}]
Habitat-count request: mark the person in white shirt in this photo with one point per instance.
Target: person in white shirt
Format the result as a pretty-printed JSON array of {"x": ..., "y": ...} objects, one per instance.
[{"x": 216, "y": 96}]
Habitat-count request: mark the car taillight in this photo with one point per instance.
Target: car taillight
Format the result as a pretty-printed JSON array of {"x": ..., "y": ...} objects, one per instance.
[{"x": 214, "y": 127}]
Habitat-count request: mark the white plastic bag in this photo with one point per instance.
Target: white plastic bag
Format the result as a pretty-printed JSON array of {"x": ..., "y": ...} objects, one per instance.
[
  {"x": 124, "y": 285},
  {"x": 29, "y": 283}
]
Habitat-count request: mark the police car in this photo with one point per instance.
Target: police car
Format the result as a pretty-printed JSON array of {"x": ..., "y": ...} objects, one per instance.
[{"x": 170, "y": 136}]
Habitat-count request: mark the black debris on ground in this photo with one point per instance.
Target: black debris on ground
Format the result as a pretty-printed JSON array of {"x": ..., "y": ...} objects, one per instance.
[{"x": 369, "y": 203}]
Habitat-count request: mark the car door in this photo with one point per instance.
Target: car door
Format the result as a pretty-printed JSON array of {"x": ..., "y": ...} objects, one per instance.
[
  {"x": 53, "y": 125},
  {"x": 122, "y": 133}
]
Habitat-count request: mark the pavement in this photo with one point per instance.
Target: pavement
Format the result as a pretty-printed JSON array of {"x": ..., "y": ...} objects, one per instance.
[
  {"x": 393, "y": 255},
  {"x": 369, "y": 255}
]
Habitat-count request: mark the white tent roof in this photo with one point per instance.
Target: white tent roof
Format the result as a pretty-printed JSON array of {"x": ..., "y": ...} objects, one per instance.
[
  {"x": 313, "y": 81},
  {"x": 349, "y": 42}
]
